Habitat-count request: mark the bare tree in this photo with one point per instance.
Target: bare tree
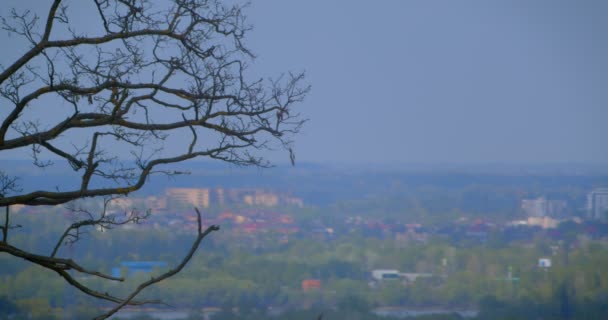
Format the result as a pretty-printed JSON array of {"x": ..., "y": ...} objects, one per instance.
[{"x": 109, "y": 96}]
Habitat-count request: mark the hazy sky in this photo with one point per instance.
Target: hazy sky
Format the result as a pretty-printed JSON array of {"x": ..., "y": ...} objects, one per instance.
[
  {"x": 444, "y": 81},
  {"x": 441, "y": 81}
]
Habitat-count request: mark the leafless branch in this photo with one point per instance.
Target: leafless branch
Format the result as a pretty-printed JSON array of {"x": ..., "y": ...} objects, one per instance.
[
  {"x": 116, "y": 100},
  {"x": 104, "y": 221},
  {"x": 201, "y": 235},
  {"x": 62, "y": 266},
  {"x": 6, "y": 225}
]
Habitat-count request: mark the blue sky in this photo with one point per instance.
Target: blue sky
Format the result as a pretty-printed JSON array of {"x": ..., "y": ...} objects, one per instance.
[
  {"x": 444, "y": 81},
  {"x": 439, "y": 81}
]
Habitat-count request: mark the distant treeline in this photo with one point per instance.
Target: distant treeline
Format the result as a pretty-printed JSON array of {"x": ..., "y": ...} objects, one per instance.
[{"x": 247, "y": 276}]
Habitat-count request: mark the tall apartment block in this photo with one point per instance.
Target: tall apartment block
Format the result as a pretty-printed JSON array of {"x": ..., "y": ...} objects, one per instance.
[
  {"x": 189, "y": 196},
  {"x": 597, "y": 204},
  {"x": 541, "y": 207}
]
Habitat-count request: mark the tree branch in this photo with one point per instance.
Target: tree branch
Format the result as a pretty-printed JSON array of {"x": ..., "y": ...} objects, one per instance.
[
  {"x": 6, "y": 225},
  {"x": 37, "y": 198},
  {"x": 52, "y": 263},
  {"x": 104, "y": 221},
  {"x": 144, "y": 74},
  {"x": 201, "y": 235}
]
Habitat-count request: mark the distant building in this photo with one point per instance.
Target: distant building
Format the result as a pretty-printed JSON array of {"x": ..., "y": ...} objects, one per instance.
[
  {"x": 219, "y": 193},
  {"x": 311, "y": 284},
  {"x": 219, "y": 197},
  {"x": 405, "y": 278},
  {"x": 260, "y": 198},
  {"x": 266, "y": 199},
  {"x": 411, "y": 277},
  {"x": 293, "y": 201},
  {"x": 541, "y": 207},
  {"x": 556, "y": 207},
  {"x": 534, "y": 207},
  {"x": 248, "y": 200},
  {"x": 597, "y": 204},
  {"x": 543, "y": 222},
  {"x": 156, "y": 204},
  {"x": 385, "y": 274},
  {"x": 121, "y": 205},
  {"x": 544, "y": 262},
  {"x": 189, "y": 196}
]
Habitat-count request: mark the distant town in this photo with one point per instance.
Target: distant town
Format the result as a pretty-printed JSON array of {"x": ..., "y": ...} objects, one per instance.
[
  {"x": 261, "y": 211},
  {"x": 386, "y": 244}
]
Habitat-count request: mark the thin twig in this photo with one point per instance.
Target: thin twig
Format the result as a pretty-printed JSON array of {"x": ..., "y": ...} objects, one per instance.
[
  {"x": 201, "y": 235},
  {"x": 6, "y": 225}
]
